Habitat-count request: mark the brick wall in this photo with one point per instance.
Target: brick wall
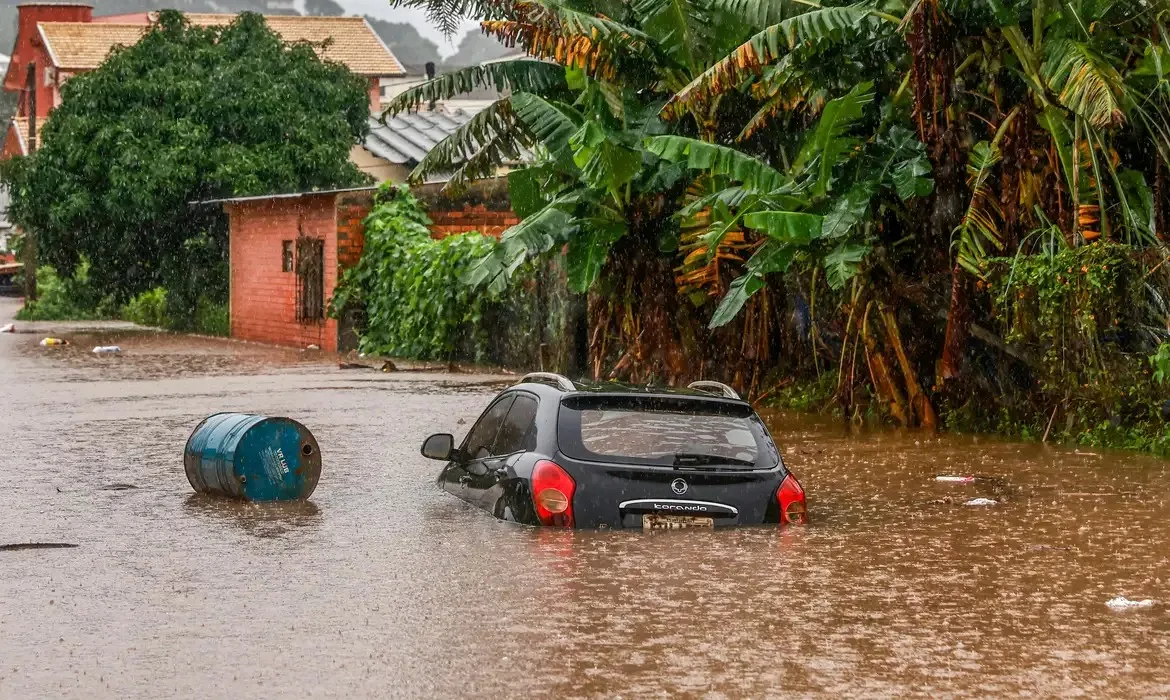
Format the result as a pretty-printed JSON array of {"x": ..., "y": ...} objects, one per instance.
[
  {"x": 263, "y": 296},
  {"x": 471, "y": 217},
  {"x": 352, "y": 209}
]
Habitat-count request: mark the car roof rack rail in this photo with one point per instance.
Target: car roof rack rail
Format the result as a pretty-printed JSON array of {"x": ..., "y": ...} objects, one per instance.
[
  {"x": 714, "y": 388},
  {"x": 559, "y": 380}
]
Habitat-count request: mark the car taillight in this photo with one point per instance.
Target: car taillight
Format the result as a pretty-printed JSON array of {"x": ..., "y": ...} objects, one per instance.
[
  {"x": 552, "y": 490},
  {"x": 793, "y": 510}
]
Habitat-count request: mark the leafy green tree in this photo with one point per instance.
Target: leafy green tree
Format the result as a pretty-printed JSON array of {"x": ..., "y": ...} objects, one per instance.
[{"x": 185, "y": 115}]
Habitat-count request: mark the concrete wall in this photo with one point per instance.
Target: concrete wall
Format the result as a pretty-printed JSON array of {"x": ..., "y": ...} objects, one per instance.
[
  {"x": 263, "y": 296},
  {"x": 377, "y": 168}
]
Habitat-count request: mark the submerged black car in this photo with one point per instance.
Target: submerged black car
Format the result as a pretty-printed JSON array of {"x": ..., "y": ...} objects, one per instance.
[{"x": 548, "y": 451}]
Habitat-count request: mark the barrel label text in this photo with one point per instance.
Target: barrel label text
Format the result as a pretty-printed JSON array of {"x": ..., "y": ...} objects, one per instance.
[{"x": 275, "y": 464}]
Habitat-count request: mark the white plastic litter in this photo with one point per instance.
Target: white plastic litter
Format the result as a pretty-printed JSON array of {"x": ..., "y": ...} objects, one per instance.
[
  {"x": 982, "y": 502},
  {"x": 1123, "y": 603},
  {"x": 313, "y": 347},
  {"x": 105, "y": 349},
  {"x": 956, "y": 479},
  {"x": 10, "y": 328}
]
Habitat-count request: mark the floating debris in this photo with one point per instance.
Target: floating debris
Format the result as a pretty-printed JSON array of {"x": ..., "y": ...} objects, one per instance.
[
  {"x": 10, "y": 328},
  {"x": 352, "y": 365},
  {"x": 118, "y": 487},
  {"x": 48, "y": 342},
  {"x": 35, "y": 545},
  {"x": 956, "y": 479},
  {"x": 982, "y": 502},
  {"x": 313, "y": 347},
  {"x": 389, "y": 366},
  {"x": 107, "y": 349},
  {"x": 1123, "y": 603}
]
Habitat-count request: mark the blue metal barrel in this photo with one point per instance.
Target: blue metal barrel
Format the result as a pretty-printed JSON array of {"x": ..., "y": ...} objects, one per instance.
[{"x": 255, "y": 458}]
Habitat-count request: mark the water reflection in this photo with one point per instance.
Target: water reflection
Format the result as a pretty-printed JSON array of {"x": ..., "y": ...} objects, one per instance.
[{"x": 257, "y": 519}]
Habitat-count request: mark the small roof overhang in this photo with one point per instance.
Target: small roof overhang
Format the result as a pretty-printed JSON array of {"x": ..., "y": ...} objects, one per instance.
[{"x": 288, "y": 195}]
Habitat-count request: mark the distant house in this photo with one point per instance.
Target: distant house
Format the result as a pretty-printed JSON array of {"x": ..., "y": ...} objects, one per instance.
[{"x": 57, "y": 40}]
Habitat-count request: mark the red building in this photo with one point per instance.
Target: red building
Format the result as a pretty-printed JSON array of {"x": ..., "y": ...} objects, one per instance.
[
  {"x": 288, "y": 250},
  {"x": 55, "y": 41}
]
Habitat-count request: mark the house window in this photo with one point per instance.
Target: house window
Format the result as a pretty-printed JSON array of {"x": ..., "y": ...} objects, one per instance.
[{"x": 286, "y": 256}]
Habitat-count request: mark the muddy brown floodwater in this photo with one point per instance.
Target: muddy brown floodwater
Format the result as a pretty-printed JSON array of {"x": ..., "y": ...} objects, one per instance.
[{"x": 383, "y": 586}]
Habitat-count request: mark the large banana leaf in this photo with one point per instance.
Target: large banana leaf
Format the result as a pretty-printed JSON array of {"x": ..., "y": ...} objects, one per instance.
[
  {"x": 768, "y": 46},
  {"x": 590, "y": 246},
  {"x": 604, "y": 162},
  {"x": 1084, "y": 82},
  {"x": 490, "y": 139},
  {"x": 521, "y": 75},
  {"x": 550, "y": 123},
  {"x": 788, "y": 227},
  {"x": 719, "y": 160},
  {"x": 772, "y": 258},
  {"x": 979, "y": 229},
  {"x": 669, "y": 21},
  {"x": 828, "y": 146}
]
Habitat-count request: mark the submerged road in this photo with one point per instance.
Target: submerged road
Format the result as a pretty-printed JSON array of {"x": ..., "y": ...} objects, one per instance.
[{"x": 383, "y": 586}]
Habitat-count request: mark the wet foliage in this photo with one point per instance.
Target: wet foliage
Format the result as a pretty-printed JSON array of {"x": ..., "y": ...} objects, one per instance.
[
  {"x": 414, "y": 304},
  {"x": 836, "y": 186},
  {"x": 408, "y": 283}
]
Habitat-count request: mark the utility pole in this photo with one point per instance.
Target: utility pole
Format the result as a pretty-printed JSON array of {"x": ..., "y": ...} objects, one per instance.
[{"x": 29, "y": 249}]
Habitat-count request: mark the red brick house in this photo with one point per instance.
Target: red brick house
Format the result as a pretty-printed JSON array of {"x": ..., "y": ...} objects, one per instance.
[
  {"x": 57, "y": 40},
  {"x": 288, "y": 250}
]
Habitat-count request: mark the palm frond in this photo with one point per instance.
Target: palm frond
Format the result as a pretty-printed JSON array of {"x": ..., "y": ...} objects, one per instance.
[
  {"x": 521, "y": 75},
  {"x": 1084, "y": 82},
  {"x": 768, "y": 46}
]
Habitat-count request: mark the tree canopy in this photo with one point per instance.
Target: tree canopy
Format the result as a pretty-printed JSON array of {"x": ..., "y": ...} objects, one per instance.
[{"x": 186, "y": 114}]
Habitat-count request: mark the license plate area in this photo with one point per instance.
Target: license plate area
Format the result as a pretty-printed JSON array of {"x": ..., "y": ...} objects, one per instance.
[{"x": 654, "y": 521}]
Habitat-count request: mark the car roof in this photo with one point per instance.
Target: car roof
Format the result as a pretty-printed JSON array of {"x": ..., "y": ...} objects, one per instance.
[{"x": 557, "y": 384}]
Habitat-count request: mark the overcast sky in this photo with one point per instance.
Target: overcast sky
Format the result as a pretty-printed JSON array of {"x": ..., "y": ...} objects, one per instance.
[{"x": 382, "y": 9}]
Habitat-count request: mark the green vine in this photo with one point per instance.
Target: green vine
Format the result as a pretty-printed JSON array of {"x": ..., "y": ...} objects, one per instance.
[{"x": 409, "y": 283}]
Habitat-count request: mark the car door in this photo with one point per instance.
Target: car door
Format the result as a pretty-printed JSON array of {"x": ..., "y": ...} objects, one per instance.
[
  {"x": 456, "y": 478},
  {"x": 488, "y": 479}
]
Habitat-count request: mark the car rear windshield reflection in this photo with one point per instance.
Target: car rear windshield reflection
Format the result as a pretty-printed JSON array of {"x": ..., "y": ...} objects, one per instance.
[{"x": 679, "y": 435}]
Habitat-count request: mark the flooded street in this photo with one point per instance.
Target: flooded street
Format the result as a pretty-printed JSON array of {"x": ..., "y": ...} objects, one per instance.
[{"x": 383, "y": 586}]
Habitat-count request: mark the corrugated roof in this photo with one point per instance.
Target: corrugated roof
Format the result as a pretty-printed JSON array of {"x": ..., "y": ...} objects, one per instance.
[
  {"x": 406, "y": 138},
  {"x": 84, "y": 46}
]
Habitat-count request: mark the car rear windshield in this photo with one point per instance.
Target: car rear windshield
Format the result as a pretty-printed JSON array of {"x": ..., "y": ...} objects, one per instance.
[{"x": 681, "y": 432}]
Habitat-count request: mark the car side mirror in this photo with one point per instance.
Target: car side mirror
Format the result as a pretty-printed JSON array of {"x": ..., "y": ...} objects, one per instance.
[{"x": 441, "y": 446}]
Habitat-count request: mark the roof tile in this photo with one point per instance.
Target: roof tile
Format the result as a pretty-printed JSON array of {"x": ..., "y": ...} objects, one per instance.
[{"x": 84, "y": 46}]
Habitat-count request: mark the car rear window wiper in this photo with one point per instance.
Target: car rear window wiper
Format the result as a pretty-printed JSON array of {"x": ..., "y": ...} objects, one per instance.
[{"x": 689, "y": 459}]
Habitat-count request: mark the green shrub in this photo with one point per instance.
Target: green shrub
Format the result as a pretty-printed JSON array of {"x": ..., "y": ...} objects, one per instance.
[
  {"x": 212, "y": 318},
  {"x": 67, "y": 298},
  {"x": 409, "y": 283},
  {"x": 148, "y": 309}
]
